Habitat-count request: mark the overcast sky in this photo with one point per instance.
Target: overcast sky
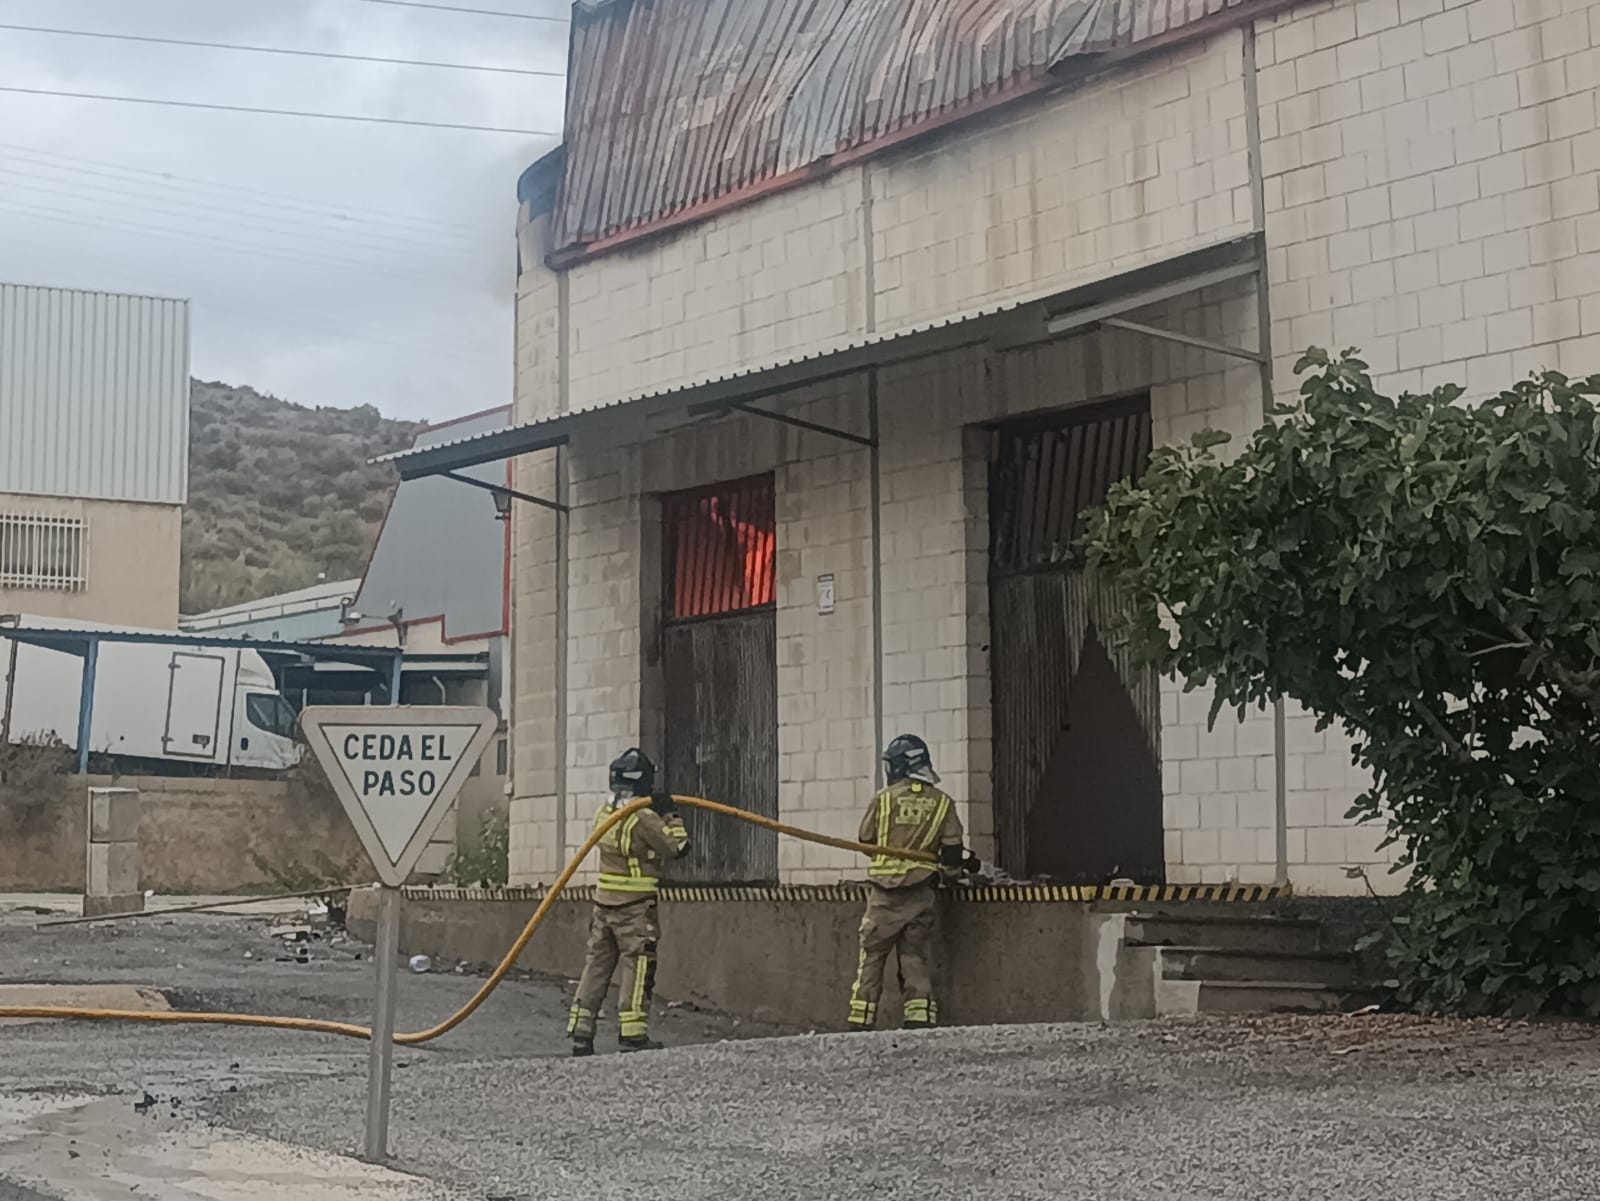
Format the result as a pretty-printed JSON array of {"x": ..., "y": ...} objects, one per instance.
[{"x": 329, "y": 263}]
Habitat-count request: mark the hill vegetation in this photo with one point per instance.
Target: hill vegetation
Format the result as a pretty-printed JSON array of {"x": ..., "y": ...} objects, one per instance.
[{"x": 279, "y": 493}]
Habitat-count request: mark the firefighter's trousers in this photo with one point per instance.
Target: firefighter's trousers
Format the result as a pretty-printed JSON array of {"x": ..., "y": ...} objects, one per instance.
[
  {"x": 625, "y": 934},
  {"x": 899, "y": 920}
]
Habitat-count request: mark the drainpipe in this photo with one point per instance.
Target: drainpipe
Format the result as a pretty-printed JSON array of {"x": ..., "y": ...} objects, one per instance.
[{"x": 1258, "y": 212}]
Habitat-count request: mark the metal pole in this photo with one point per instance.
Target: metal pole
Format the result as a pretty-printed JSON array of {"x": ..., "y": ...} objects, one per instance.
[
  {"x": 875, "y": 499},
  {"x": 91, "y": 659},
  {"x": 380, "y": 1059},
  {"x": 396, "y": 665}
]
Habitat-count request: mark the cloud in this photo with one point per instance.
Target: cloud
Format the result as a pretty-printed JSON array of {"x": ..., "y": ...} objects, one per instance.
[{"x": 329, "y": 263}]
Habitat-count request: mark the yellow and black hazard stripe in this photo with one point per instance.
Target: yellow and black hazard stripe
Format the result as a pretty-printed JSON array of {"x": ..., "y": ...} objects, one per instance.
[
  {"x": 1035, "y": 893},
  {"x": 776, "y": 892},
  {"x": 800, "y": 893}
]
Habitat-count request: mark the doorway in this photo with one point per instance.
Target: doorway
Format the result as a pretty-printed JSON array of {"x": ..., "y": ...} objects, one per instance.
[
  {"x": 719, "y": 673},
  {"x": 1077, "y": 724}
]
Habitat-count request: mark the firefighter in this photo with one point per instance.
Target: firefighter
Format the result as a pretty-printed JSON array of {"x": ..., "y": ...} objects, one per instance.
[
  {"x": 623, "y": 927},
  {"x": 911, "y": 814}
]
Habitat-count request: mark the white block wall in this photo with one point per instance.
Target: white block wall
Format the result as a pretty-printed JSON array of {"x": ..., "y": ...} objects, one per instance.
[
  {"x": 1138, "y": 166},
  {"x": 1433, "y": 197}
]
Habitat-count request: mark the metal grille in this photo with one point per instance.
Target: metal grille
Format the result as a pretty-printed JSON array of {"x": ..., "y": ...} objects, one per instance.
[
  {"x": 721, "y": 549},
  {"x": 1043, "y": 481},
  {"x": 42, "y": 552}
]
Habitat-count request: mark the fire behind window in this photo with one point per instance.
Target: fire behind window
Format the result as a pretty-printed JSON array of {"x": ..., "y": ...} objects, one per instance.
[{"x": 721, "y": 548}]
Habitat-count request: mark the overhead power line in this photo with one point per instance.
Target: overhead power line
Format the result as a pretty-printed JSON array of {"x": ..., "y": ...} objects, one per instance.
[
  {"x": 251, "y": 195},
  {"x": 353, "y": 58},
  {"x": 232, "y": 219},
  {"x": 476, "y": 12},
  {"x": 276, "y": 112}
]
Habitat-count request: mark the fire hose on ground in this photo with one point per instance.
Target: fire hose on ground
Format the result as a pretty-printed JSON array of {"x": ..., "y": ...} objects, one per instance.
[{"x": 415, "y": 1038}]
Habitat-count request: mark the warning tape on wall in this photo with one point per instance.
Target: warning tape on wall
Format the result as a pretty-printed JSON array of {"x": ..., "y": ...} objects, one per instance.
[{"x": 1014, "y": 893}]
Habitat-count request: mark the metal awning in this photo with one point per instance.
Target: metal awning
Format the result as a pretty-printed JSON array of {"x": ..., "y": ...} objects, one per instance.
[{"x": 1014, "y": 323}]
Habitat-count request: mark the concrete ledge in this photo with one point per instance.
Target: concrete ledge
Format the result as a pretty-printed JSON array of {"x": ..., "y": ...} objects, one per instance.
[
  {"x": 785, "y": 962},
  {"x": 124, "y": 902}
]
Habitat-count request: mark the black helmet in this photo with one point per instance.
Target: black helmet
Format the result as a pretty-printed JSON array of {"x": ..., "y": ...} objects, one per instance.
[
  {"x": 907, "y": 757},
  {"x": 633, "y": 773}
]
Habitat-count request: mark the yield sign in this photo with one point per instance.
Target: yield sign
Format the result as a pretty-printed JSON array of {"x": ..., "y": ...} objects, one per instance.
[{"x": 396, "y": 770}]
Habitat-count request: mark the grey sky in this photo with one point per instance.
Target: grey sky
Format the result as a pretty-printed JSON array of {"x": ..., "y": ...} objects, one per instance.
[{"x": 380, "y": 268}]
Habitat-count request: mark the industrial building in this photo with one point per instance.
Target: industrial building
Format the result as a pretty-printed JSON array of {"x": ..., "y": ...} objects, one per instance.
[
  {"x": 831, "y": 325},
  {"x": 94, "y": 454}
]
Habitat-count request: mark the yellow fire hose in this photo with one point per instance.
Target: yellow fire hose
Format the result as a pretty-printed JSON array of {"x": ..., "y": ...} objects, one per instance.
[{"x": 351, "y": 1030}]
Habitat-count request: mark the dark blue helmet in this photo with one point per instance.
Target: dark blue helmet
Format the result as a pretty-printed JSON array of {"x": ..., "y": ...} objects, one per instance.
[
  {"x": 633, "y": 774},
  {"x": 907, "y": 758}
]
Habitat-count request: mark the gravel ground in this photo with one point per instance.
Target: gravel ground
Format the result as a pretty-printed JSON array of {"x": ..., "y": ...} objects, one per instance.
[{"x": 1352, "y": 1108}]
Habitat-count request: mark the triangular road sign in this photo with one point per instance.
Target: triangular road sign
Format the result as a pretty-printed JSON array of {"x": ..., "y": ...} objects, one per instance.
[{"x": 396, "y": 770}]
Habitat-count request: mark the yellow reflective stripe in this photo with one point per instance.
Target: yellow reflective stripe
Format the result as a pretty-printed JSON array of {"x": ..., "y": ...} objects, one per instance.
[
  {"x": 932, "y": 838},
  {"x": 885, "y": 866},
  {"x": 640, "y": 976},
  {"x": 615, "y": 883}
]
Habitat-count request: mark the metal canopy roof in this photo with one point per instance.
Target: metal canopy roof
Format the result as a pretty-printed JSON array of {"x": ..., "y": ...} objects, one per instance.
[
  {"x": 76, "y": 642},
  {"x": 1016, "y": 322}
]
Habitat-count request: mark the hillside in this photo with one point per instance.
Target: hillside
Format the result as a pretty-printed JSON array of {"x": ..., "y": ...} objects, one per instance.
[{"x": 279, "y": 493}]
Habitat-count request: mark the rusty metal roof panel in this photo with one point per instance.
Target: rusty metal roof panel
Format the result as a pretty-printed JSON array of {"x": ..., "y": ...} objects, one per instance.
[{"x": 672, "y": 104}]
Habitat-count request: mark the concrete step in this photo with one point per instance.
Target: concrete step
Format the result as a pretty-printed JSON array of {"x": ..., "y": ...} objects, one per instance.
[
  {"x": 1225, "y": 932},
  {"x": 1276, "y": 996},
  {"x": 1225, "y": 965}
]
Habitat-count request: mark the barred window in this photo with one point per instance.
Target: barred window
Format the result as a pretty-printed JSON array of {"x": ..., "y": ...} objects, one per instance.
[{"x": 39, "y": 551}]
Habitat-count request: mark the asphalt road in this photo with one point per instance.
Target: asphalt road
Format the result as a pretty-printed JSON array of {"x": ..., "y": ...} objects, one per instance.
[{"x": 1272, "y": 1109}]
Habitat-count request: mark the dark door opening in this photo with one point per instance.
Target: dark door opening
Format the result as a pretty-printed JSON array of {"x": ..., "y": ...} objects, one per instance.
[
  {"x": 719, "y": 674},
  {"x": 1076, "y": 725}
]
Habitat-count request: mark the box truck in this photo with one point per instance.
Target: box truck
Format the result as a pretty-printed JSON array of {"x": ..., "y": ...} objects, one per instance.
[{"x": 165, "y": 708}]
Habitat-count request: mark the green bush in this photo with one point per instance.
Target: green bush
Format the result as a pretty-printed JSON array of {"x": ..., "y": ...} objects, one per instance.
[
  {"x": 1424, "y": 574},
  {"x": 486, "y": 865}
]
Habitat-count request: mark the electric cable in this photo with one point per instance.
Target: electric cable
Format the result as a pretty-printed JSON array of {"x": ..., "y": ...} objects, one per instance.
[
  {"x": 234, "y": 46},
  {"x": 276, "y": 112}
]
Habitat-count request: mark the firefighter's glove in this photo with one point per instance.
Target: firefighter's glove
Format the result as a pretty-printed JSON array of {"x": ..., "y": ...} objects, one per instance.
[
  {"x": 663, "y": 803},
  {"x": 952, "y": 855},
  {"x": 970, "y": 863}
]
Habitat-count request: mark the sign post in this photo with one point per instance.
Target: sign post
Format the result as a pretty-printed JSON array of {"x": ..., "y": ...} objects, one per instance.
[{"x": 396, "y": 771}]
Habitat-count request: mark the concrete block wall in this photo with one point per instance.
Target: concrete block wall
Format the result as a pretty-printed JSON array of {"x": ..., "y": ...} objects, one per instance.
[
  {"x": 1432, "y": 173},
  {"x": 1433, "y": 186},
  {"x": 774, "y": 279},
  {"x": 1137, "y": 166}
]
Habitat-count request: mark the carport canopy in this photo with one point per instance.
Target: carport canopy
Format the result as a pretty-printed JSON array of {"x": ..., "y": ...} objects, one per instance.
[{"x": 1102, "y": 303}]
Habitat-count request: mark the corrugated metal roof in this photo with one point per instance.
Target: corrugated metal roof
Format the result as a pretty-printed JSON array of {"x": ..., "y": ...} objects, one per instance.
[
  {"x": 94, "y": 395},
  {"x": 1094, "y": 301},
  {"x": 672, "y": 104}
]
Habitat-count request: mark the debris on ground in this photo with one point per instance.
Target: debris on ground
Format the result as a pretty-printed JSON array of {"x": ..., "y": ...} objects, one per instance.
[{"x": 421, "y": 964}]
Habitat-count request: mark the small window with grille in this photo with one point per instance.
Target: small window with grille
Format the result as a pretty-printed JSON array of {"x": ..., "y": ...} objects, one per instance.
[
  {"x": 721, "y": 545},
  {"x": 42, "y": 552}
]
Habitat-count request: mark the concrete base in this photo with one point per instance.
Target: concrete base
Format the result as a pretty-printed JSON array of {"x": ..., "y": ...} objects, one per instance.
[
  {"x": 785, "y": 962},
  {"x": 126, "y": 902}
]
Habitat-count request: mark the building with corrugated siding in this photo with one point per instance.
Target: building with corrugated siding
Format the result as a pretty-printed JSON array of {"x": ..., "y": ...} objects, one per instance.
[
  {"x": 834, "y": 315},
  {"x": 94, "y": 454}
]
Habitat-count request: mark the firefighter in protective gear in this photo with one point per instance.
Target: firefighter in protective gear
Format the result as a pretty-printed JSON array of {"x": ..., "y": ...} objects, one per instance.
[
  {"x": 623, "y": 927},
  {"x": 911, "y": 814}
]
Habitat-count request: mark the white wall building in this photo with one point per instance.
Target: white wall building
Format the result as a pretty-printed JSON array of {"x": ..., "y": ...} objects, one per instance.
[
  {"x": 94, "y": 454},
  {"x": 1000, "y": 252}
]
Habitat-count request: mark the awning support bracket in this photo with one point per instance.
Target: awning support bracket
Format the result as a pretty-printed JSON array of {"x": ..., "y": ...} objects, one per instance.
[
  {"x": 1138, "y": 327},
  {"x": 801, "y": 423},
  {"x": 501, "y": 490}
]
